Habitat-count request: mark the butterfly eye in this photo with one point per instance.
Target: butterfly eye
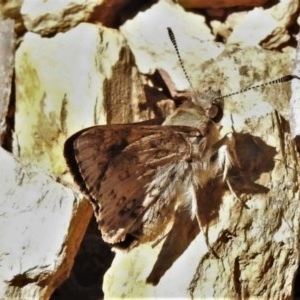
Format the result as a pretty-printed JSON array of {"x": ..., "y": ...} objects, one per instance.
[{"x": 215, "y": 112}]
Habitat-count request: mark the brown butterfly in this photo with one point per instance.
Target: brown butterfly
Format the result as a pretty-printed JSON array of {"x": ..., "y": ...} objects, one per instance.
[{"x": 137, "y": 175}]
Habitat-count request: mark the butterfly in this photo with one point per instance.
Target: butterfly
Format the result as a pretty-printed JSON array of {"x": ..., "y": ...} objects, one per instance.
[{"x": 136, "y": 176}]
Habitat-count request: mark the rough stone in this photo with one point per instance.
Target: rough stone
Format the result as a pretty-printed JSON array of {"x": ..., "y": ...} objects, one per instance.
[
  {"x": 266, "y": 27},
  {"x": 295, "y": 101},
  {"x": 235, "y": 70},
  {"x": 50, "y": 17},
  {"x": 113, "y": 13},
  {"x": 221, "y": 3},
  {"x": 87, "y": 76},
  {"x": 153, "y": 49},
  {"x": 11, "y": 9},
  {"x": 7, "y": 55},
  {"x": 41, "y": 226},
  {"x": 253, "y": 28},
  {"x": 67, "y": 83},
  {"x": 92, "y": 260}
]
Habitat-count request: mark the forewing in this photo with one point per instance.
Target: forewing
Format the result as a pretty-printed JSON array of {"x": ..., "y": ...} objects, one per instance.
[
  {"x": 89, "y": 151},
  {"x": 115, "y": 165}
]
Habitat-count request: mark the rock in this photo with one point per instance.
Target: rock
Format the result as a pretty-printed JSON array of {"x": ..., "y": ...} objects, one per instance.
[
  {"x": 252, "y": 28},
  {"x": 295, "y": 100},
  {"x": 77, "y": 79},
  {"x": 284, "y": 13},
  {"x": 266, "y": 27},
  {"x": 113, "y": 13},
  {"x": 236, "y": 69},
  {"x": 220, "y": 3},
  {"x": 261, "y": 238},
  {"x": 86, "y": 76},
  {"x": 153, "y": 49},
  {"x": 7, "y": 45},
  {"x": 11, "y": 9},
  {"x": 92, "y": 260},
  {"x": 50, "y": 17},
  {"x": 42, "y": 224}
]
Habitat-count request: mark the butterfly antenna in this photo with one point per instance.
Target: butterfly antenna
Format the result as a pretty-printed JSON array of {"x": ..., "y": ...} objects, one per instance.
[
  {"x": 275, "y": 81},
  {"x": 173, "y": 40}
]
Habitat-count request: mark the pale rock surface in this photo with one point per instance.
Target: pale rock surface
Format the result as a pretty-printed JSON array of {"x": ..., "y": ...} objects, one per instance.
[
  {"x": 52, "y": 16},
  {"x": 236, "y": 69},
  {"x": 148, "y": 39},
  {"x": 41, "y": 226},
  {"x": 268, "y": 27},
  {"x": 295, "y": 100},
  {"x": 66, "y": 83},
  {"x": 253, "y": 28},
  {"x": 11, "y": 9}
]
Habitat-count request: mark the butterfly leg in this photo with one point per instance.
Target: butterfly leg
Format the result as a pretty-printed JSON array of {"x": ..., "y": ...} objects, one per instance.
[
  {"x": 225, "y": 153},
  {"x": 195, "y": 213},
  {"x": 227, "y": 157}
]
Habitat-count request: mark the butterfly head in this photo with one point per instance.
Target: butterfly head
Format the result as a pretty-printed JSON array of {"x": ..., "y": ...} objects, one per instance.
[
  {"x": 211, "y": 102},
  {"x": 204, "y": 109}
]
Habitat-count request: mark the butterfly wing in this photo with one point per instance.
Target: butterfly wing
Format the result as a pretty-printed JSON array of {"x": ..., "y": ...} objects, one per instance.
[
  {"x": 126, "y": 170},
  {"x": 89, "y": 151}
]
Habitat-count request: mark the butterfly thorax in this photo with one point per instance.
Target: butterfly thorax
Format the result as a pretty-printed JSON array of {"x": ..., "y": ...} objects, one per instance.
[
  {"x": 189, "y": 114},
  {"x": 206, "y": 132}
]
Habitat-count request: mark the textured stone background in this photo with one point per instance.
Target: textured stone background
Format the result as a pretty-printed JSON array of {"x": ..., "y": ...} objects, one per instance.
[{"x": 67, "y": 65}]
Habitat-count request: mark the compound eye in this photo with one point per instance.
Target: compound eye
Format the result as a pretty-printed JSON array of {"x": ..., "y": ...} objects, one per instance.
[{"x": 215, "y": 112}]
